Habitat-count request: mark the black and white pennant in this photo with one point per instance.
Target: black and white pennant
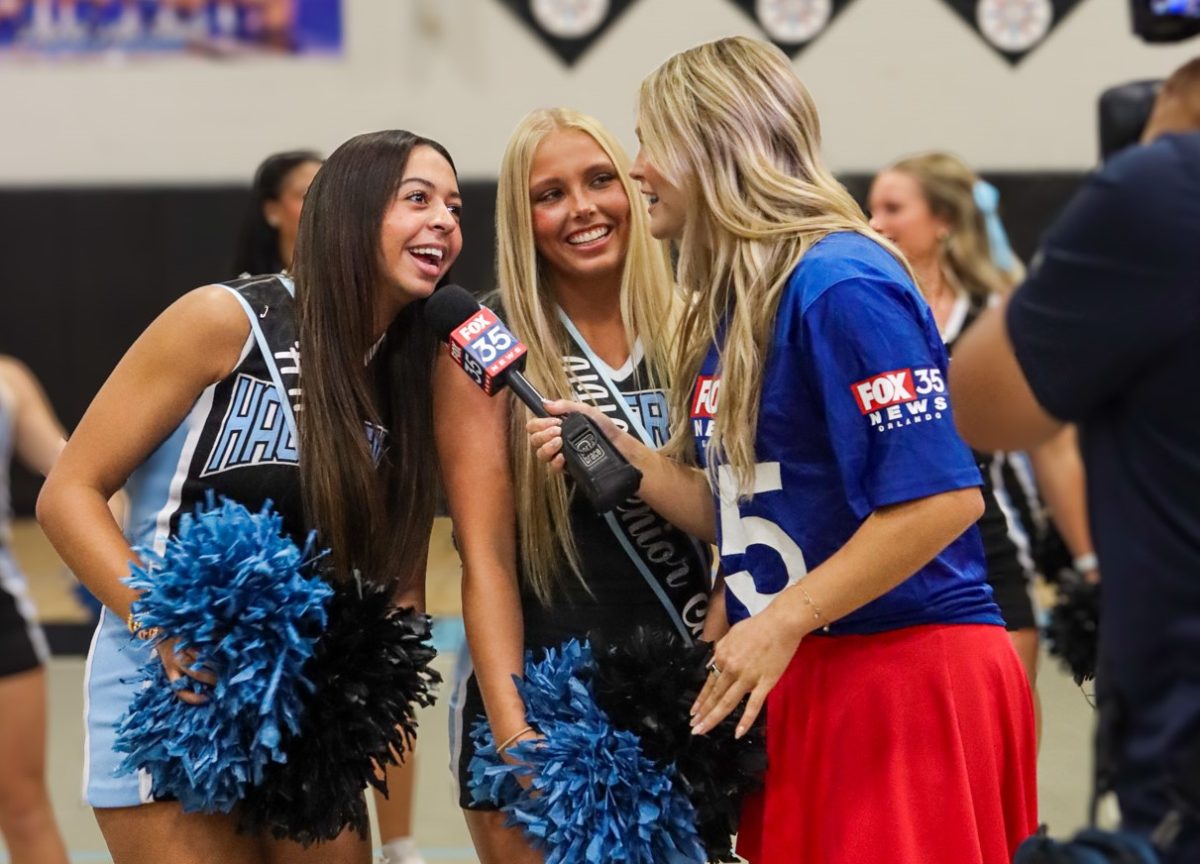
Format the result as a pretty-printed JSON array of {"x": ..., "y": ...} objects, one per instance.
[
  {"x": 1013, "y": 28},
  {"x": 793, "y": 25},
  {"x": 568, "y": 27}
]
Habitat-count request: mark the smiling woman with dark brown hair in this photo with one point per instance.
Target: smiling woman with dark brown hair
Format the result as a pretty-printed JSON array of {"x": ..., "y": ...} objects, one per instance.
[{"x": 208, "y": 400}]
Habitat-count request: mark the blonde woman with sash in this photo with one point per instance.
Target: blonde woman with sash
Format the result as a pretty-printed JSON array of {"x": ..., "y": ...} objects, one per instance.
[{"x": 587, "y": 289}]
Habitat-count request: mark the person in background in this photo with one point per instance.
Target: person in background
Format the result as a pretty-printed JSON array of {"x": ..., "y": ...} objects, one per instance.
[
  {"x": 268, "y": 235},
  {"x": 394, "y": 814},
  {"x": 30, "y": 431},
  {"x": 945, "y": 221},
  {"x": 1105, "y": 333}
]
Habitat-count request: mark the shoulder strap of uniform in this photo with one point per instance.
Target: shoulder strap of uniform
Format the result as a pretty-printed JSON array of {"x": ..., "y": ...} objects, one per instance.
[{"x": 268, "y": 303}]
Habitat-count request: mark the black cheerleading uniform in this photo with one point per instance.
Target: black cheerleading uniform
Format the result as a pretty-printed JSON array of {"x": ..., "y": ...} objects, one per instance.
[
  {"x": 238, "y": 441},
  {"x": 22, "y": 643},
  {"x": 639, "y": 570},
  {"x": 1010, "y": 506}
]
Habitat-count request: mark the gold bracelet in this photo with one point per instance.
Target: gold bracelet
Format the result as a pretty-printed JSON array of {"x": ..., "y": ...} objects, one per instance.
[
  {"x": 510, "y": 740},
  {"x": 817, "y": 613}
]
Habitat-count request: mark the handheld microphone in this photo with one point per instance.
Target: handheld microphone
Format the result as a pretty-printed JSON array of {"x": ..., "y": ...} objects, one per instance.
[{"x": 493, "y": 357}]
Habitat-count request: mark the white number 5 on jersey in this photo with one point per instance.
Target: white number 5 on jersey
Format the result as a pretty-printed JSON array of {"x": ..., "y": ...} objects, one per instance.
[{"x": 739, "y": 533}]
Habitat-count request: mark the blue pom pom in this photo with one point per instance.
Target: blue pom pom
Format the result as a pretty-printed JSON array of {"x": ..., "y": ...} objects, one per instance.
[
  {"x": 233, "y": 587},
  {"x": 593, "y": 796}
]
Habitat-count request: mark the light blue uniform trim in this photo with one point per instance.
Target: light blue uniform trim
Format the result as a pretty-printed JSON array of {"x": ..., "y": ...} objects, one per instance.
[
  {"x": 115, "y": 656},
  {"x": 460, "y": 725}
]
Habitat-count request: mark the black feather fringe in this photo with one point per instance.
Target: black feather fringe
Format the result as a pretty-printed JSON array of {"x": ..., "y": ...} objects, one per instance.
[
  {"x": 1073, "y": 631},
  {"x": 647, "y": 685},
  {"x": 370, "y": 669}
]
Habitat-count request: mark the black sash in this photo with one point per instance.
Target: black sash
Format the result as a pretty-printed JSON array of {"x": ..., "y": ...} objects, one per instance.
[{"x": 672, "y": 563}]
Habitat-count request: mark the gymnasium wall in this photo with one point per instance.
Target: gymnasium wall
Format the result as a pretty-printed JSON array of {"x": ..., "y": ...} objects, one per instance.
[
  {"x": 890, "y": 76},
  {"x": 122, "y": 181}
]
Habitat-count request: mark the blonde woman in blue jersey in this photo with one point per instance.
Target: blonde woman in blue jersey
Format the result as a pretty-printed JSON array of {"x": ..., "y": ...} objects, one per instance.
[
  {"x": 208, "y": 398},
  {"x": 841, "y": 497},
  {"x": 30, "y": 431}
]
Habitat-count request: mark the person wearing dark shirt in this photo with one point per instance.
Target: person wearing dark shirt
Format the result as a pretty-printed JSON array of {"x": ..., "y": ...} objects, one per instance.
[{"x": 1106, "y": 333}]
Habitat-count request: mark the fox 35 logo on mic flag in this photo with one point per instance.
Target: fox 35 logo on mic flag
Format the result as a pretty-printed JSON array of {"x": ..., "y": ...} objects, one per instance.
[{"x": 484, "y": 348}]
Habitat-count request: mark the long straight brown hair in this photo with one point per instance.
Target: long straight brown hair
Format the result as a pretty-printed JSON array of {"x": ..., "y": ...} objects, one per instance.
[{"x": 375, "y": 519}]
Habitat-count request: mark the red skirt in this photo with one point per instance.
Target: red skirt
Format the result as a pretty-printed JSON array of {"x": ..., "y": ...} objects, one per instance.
[{"x": 914, "y": 746}]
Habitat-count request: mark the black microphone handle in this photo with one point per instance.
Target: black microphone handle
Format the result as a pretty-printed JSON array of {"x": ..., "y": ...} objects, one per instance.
[
  {"x": 603, "y": 475},
  {"x": 526, "y": 392}
]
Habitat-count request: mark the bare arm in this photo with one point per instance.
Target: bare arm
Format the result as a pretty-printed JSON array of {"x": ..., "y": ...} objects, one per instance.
[
  {"x": 994, "y": 407},
  {"x": 679, "y": 493},
  {"x": 1063, "y": 484},
  {"x": 192, "y": 344},
  {"x": 756, "y": 651},
  {"x": 716, "y": 622},
  {"x": 471, "y": 430},
  {"x": 39, "y": 435}
]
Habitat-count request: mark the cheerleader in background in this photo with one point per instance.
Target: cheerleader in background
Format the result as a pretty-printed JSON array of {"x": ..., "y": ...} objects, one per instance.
[
  {"x": 28, "y": 429},
  {"x": 943, "y": 218}
]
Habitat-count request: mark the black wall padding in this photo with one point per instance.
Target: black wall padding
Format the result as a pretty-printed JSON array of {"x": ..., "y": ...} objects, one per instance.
[{"x": 84, "y": 270}]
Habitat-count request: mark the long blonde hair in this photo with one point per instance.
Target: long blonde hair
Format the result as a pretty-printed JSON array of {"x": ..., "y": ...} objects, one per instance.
[
  {"x": 648, "y": 306},
  {"x": 731, "y": 126},
  {"x": 965, "y": 257}
]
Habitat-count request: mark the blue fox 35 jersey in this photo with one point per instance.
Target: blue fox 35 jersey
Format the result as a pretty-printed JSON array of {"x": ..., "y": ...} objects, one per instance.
[{"x": 854, "y": 416}]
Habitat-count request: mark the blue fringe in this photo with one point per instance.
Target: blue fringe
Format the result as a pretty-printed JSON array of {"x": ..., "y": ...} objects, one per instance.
[
  {"x": 232, "y": 586},
  {"x": 593, "y": 797}
]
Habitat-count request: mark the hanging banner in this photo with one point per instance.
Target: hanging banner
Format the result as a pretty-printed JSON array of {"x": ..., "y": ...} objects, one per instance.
[
  {"x": 1013, "y": 28},
  {"x": 37, "y": 29},
  {"x": 568, "y": 27},
  {"x": 793, "y": 25}
]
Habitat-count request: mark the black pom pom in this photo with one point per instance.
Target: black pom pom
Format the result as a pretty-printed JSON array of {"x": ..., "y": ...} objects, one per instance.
[
  {"x": 370, "y": 670},
  {"x": 1072, "y": 634},
  {"x": 647, "y": 685}
]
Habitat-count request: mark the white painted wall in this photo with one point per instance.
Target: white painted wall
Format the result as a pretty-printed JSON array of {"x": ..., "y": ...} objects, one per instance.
[{"x": 890, "y": 77}]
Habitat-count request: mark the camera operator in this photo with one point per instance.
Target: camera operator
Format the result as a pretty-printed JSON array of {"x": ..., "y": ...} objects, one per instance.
[{"x": 1106, "y": 333}]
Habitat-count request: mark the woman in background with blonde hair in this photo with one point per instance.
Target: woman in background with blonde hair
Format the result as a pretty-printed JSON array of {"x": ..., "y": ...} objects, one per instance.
[
  {"x": 814, "y": 378},
  {"x": 928, "y": 205},
  {"x": 944, "y": 219},
  {"x": 589, "y": 291}
]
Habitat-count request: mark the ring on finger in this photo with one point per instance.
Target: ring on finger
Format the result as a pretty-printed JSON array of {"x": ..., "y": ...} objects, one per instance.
[{"x": 714, "y": 669}]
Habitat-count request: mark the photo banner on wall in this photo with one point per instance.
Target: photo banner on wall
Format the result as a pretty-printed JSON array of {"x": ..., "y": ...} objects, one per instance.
[
  {"x": 793, "y": 25},
  {"x": 1013, "y": 28},
  {"x": 568, "y": 27},
  {"x": 66, "y": 29}
]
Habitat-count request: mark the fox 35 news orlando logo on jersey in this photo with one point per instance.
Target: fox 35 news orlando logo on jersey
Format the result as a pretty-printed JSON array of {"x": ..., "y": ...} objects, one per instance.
[{"x": 902, "y": 397}]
